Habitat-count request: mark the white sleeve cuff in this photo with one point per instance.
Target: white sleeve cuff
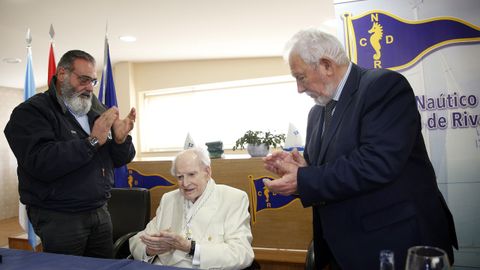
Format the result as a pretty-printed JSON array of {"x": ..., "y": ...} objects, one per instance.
[
  {"x": 148, "y": 258},
  {"x": 196, "y": 255}
]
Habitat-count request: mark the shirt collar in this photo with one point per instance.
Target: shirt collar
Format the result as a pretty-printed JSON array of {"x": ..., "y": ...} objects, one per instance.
[
  {"x": 208, "y": 189},
  {"x": 342, "y": 83}
]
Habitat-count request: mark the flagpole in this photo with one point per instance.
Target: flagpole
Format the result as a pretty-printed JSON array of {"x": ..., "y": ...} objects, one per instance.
[
  {"x": 29, "y": 82},
  {"x": 28, "y": 92},
  {"x": 108, "y": 97},
  {"x": 346, "y": 30},
  {"x": 52, "y": 69},
  {"x": 28, "y": 38},
  {"x": 102, "y": 91},
  {"x": 52, "y": 33}
]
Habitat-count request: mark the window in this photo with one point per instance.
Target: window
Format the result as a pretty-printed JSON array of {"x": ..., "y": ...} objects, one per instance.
[{"x": 219, "y": 112}]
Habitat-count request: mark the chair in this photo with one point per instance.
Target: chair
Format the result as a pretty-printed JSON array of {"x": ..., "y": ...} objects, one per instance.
[
  {"x": 254, "y": 266},
  {"x": 310, "y": 260},
  {"x": 130, "y": 213}
]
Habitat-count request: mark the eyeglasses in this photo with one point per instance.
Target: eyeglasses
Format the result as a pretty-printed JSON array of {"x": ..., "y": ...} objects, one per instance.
[{"x": 84, "y": 80}]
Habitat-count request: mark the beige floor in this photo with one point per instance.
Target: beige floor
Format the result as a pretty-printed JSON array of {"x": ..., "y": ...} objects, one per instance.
[{"x": 9, "y": 227}]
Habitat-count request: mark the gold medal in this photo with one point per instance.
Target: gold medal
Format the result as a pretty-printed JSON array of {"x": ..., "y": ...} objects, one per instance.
[{"x": 188, "y": 232}]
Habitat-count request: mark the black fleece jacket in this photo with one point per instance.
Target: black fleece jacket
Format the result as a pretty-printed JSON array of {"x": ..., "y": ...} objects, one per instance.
[{"x": 58, "y": 169}]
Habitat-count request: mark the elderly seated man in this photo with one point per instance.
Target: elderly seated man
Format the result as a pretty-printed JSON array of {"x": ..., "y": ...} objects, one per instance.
[{"x": 200, "y": 225}]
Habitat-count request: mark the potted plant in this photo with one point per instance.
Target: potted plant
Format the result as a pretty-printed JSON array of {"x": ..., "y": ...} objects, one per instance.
[{"x": 259, "y": 142}]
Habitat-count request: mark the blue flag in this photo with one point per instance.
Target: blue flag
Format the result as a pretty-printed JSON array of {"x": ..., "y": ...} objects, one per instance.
[
  {"x": 137, "y": 179},
  {"x": 378, "y": 39},
  {"x": 29, "y": 78},
  {"x": 264, "y": 199},
  {"x": 107, "y": 93},
  {"x": 29, "y": 92},
  {"x": 108, "y": 97}
]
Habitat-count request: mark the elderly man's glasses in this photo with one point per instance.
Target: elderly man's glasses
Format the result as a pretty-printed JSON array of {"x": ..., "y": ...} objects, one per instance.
[{"x": 85, "y": 80}]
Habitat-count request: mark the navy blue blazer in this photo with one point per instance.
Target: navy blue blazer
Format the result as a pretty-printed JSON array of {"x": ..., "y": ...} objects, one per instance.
[{"x": 370, "y": 180}]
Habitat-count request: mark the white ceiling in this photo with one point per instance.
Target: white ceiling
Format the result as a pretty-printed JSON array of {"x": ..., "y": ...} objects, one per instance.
[{"x": 165, "y": 29}]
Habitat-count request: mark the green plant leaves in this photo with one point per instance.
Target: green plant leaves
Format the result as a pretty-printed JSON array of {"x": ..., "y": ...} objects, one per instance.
[{"x": 259, "y": 137}]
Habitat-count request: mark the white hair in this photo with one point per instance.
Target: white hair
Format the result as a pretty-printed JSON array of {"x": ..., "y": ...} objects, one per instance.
[
  {"x": 313, "y": 44},
  {"x": 202, "y": 154}
]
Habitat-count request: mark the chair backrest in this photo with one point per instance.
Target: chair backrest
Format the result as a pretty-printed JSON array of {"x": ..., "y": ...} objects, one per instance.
[
  {"x": 129, "y": 209},
  {"x": 310, "y": 259}
]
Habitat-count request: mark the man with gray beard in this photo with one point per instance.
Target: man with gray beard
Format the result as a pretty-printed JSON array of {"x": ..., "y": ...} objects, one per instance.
[
  {"x": 67, "y": 145},
  {"x": 365, "y": 170}
]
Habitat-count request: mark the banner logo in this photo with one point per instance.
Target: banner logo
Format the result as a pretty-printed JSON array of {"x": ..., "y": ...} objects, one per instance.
[
  {"x": 136, "y": 179},
  {"x": 376, "y": 35},
  {"x": 377, "y": 39},
  {"x": 264, "y": 199}
]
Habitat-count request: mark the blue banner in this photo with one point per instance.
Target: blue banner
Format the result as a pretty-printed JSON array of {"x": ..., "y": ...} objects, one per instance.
[
  {"x": 136, "y": 179},
  {"x": 377, "y": 39},
  {"x": 264, "y": 199}
]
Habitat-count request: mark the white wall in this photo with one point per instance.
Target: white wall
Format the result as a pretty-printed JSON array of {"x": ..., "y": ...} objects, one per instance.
[{"x": 8, "y": 164}]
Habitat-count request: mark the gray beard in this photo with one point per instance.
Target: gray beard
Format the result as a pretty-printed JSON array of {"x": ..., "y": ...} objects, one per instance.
[
  {"x": 79, "y": 105},
  {"x": 323, "y": 100}
]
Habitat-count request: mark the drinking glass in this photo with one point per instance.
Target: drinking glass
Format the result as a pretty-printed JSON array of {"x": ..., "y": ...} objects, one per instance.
[
  {"x": 427, "y": 258},
  {"x": 387, "y": 260}
]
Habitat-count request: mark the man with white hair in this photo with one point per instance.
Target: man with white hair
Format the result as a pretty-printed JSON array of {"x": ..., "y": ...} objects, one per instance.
[
  {"x": 199, "y": 225},
  {"x": 365, "y": 170}
]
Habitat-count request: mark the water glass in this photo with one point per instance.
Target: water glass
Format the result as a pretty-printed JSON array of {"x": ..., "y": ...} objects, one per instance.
[
  {"x": 387, "y": 260},
  {"x": 427, "y": 258}
]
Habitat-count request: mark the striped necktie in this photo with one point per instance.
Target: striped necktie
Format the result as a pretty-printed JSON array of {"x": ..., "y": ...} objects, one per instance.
[{"x": 328, "y": 114}]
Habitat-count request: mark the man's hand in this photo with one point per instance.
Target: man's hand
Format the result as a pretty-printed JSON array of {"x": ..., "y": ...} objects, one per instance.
[
  {"x": 270, "y": 163},
  {"x": 176, "y": 241},
  {"x": 275, "y": 162},
  {"x": 155, "y": 244},
  {"x": 103, "y": 124},
  {"x": 285, "y": 165},
  {"x": 298, "y": 158},
  {"x": 121, "y": 128},
  {"x": 287, "y": 184}
]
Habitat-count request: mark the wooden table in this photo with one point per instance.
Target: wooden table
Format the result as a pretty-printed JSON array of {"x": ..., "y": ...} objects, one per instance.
[{"x": 20, "y": 241}]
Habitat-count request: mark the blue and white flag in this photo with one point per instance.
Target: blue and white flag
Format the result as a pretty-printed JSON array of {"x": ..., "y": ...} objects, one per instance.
[
  {"x": 29, "y": 78},
  {"x": 29, "y": 92}
]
